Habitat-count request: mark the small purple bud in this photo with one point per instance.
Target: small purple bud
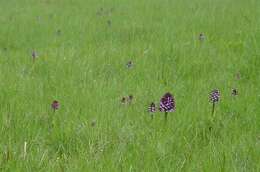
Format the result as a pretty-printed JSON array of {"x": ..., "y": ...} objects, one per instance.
[
  {"x": 55, "y": 105},
  {"x": 34, "y": 55},
  {"x": 234, "y": 92},
  {"x": 129, "y": 64},
  {"x": 152, "y": 108},
  {"x": 123, "y": 100},
  {"x": 201, "y": 36},
  {"x": 130, "y": 98}
]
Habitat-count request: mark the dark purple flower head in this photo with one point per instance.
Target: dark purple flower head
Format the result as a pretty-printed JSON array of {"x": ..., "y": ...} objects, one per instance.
[
  {"x": 55, "y": 105},
  {"x": 234, "y": 92},
  {"x": 214, "y": 96},
  {"x": 167, "y": 103},
  {"x": 129, "y": 64},
  {"x": 152, "y": 107},
  {"x": 201, "y": 36},
  {"x": 123, "y": 100},
  {"x": 34, "y": 55},
  {"x": 130, "y": 98}
]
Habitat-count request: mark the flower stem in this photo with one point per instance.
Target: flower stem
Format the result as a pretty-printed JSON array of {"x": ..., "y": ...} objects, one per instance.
[
  {"x": 165, "y": 116},
  {"x": 213, "y": 109}
]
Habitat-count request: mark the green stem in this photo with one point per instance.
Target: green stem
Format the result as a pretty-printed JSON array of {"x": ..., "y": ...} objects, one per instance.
[{"x": 213, "y": 109}]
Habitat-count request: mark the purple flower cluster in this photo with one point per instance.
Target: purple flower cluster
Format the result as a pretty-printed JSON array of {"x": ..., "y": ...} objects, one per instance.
[
  {"x": 152, "y": 107},
  {"x": 201, "y": 36},
  {"x": 127, "y": 99},
  {"x": 34, "y": 55},
  {"x": 129, "y": 64},
  {"x": 214, "y": 96},
  {"x": 167, "y": 103},
  {"x": 234, "y": 92},
  {"x": 55, "y": 105}
]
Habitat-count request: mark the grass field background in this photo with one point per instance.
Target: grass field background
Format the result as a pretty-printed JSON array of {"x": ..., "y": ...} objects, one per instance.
[{"x": 83, "y": 47}]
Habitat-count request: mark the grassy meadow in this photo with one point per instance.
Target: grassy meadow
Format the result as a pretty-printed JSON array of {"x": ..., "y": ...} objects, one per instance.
[{"x": 81, "y": 51}]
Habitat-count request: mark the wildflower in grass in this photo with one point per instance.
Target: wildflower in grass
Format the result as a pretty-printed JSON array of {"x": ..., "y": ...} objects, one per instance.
[
  {"x": 129, "y": 64},
  {"x": 55, "y": 105},
  {"x": 34, "y": 55},
  {"x": 123, "y": 100},
  {"x": 130, "y": 98},
  {"x": 234, "y": 92},
  {"x": 201, "y": 36},
  {"x": 127, "y": 99},
  {"x": 214, "y": 98},
  {"x": 167, "y": 104},
  {"x": 152, "y": 107}
]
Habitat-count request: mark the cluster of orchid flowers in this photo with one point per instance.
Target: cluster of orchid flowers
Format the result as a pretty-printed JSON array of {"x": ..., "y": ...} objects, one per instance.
[
  {"x": 214, "y": 97},
  {"x": 167, "y": 102},
  {"x": 127, "y": 99}
]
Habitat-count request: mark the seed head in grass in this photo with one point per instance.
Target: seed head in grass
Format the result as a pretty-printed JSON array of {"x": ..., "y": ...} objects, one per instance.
[
  {"x": 214, "y": 98},
  {"x": 55, "y": 105},
  {"x": 34, "y": 55},
  {"x": 234, "y": 92},
  {"x": 129, "y": 64},
  {"x": 130, "y": 98},
  {"x": 201, "y": 36},
  {"x": 152, "y": 109},
  {"x": 123, "y": 100},
  {"x": 167, "y": 104}
]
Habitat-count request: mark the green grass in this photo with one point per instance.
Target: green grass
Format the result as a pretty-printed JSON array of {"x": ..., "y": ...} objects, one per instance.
[{"x": 84, "y": 68}]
